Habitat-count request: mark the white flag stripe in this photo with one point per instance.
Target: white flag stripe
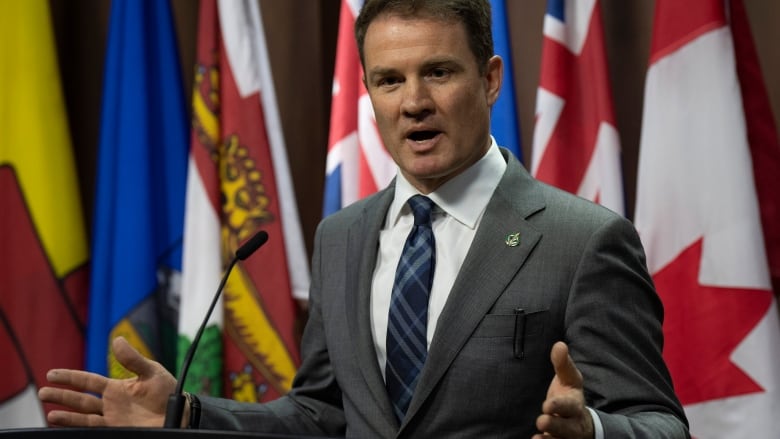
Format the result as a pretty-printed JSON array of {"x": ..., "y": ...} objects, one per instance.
[
  {"x": 602, "y": 178},
  {"x": 297, "y": 261},
  {"x": 337, "y": 154},
  {"x": 354, "y": 6},
  {"x": 23, "y": 410},
  {"x": 758, "y": 355},
  {"x": 548, "y": 111},
  {"x": 383, "y": 168},
  {"x": 201, "y": 256},
  {"x": 349, "y": 156},
  {"x": 241, "y": 35},
  {"x": 247, "y": 53}
]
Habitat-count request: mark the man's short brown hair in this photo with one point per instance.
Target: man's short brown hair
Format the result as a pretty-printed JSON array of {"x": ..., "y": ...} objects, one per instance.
[{"x": 474, "y": 14}]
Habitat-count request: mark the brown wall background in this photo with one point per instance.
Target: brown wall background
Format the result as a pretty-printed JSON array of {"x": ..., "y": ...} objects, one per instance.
[{"x": 301, "y": 36}]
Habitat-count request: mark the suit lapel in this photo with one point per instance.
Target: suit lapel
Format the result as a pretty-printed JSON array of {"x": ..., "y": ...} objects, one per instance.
[
  {"x": 362, "y": 244},
  {"x": 489, "y": 266}
]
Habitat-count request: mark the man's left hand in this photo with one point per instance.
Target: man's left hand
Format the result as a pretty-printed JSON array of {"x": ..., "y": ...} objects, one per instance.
[{"x": 564, "y": 415}]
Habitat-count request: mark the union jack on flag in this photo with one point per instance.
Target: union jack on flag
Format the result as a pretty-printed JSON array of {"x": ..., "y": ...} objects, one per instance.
[
  {"x": 358, "y": 163},
  {"x": 576, "y": 145}
]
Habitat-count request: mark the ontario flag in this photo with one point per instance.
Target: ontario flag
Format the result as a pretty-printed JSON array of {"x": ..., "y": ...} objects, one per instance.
[
  {"x": 238, "y": 183},
  {"x": 43, "y": 242},
  {"x": 698, "y": 216},
  {"x": 576, "y": 146},
  {"x": 358, "y": 163}
]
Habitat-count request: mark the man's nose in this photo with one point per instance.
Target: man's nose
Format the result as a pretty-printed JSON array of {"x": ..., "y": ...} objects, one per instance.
[{"x": 417, "y": 101}]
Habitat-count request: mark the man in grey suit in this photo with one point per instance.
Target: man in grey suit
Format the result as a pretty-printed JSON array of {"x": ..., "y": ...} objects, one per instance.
[{"x": 540, "y": 316}]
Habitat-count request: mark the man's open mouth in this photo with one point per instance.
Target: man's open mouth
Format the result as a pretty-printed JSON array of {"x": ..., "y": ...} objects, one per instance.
[{"x": 420, "y": 136}]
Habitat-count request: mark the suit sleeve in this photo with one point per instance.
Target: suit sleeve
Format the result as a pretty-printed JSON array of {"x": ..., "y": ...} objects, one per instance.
[
  {"x": 313, "y": 406},
  {"x": 614, "y": 331}
]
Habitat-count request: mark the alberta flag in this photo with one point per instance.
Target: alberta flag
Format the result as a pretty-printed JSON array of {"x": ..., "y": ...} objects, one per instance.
[
  {"x": 698, "y": 216},
  {"x": 139, "y": 201},
  {"x": 238, "y": 183},
  {"x": 576, "y": 144}
]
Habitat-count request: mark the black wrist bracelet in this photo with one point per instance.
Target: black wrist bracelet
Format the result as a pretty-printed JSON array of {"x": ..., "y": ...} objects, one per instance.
[{"x": 194, "y": 403}]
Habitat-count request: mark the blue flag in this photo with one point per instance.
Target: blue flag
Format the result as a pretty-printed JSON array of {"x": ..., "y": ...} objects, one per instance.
[
  {"x": 141, "y": 179},
  {"x": 504, "y": 124}
]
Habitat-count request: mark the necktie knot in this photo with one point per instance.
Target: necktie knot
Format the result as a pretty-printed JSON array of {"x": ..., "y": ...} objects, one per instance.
[{"x": 422, "y": 207}]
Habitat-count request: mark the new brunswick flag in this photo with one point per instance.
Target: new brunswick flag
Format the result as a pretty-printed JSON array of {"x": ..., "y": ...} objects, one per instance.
[
  {"x": 43, "y": 246},
  {"x": 238, "y": 183}
]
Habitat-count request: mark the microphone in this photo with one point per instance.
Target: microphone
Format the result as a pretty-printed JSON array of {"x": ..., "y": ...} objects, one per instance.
[{"x": 175, "y": 408}]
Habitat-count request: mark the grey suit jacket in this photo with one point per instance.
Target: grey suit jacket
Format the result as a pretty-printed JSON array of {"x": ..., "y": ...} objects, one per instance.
[{"x": 577, "y": 274}]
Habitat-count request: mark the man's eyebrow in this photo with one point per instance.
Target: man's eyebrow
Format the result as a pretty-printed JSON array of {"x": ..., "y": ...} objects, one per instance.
[
  {"x": 381, "y": 71},
  {"x": 427, "y": 65},
  {"x": 437, "y": 62}
]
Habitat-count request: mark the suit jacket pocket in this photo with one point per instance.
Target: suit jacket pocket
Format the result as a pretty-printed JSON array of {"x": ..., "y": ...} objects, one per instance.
[{"x": 525, "y": 329}]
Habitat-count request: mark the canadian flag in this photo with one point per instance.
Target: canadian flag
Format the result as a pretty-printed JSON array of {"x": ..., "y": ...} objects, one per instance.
[
  {"x": 698, "y": 217},
  {"x": 762, "y": 135}
]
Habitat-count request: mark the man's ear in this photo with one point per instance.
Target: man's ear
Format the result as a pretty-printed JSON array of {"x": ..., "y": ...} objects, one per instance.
[{"x": 494, "y": 75}]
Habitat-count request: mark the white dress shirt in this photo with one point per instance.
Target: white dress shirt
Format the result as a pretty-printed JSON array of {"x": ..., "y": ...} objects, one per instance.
[{"x": 460, "y": 204}]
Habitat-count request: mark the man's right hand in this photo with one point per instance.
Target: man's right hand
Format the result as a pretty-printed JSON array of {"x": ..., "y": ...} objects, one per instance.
[{"x": 136, "y": 402}]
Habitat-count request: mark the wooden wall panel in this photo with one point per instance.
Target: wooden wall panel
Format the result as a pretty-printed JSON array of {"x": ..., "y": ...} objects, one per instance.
[{"x": 302, "y": 37}]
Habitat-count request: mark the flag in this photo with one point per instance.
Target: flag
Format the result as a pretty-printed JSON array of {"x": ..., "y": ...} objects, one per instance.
[
  {"x": 139, "y": 201},
  {"x": 357, "y": 164},
  {"x": 762, "y": 136},
  {"x": 239, "y": 183},
  {"x": 698, "y": 216},
  {"x": 576, "y": 146},
  {"x": 43, "y": 243},
  {"x": 503, "y": 117}
]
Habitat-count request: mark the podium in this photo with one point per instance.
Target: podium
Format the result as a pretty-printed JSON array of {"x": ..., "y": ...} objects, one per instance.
[{"x": 134, "y": 433}]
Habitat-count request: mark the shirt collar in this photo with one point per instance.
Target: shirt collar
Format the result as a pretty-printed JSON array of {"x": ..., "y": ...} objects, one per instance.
[{"x": 465, "y": 197}]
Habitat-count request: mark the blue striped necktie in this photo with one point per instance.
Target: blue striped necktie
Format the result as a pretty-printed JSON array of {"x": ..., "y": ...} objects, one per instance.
[{"x": 408, "y": 317}]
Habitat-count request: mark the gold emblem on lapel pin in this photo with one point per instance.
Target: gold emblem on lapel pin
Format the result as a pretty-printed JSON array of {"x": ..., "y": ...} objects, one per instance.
[{"x": 513, "y": 239}]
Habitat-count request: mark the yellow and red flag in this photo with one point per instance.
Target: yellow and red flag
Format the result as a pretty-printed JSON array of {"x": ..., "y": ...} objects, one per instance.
[{"x": 43, "y": 245}]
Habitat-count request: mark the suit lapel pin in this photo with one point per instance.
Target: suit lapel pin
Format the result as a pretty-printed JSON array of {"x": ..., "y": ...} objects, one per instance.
[{"x": 513, "y": 239}]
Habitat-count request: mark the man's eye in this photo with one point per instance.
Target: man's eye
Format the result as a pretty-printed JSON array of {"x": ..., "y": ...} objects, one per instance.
[
  {"x": 387, "y": 82},
  {"x": 439, "y": 73}
]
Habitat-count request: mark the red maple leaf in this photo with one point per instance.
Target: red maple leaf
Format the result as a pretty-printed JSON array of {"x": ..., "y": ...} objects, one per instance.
[{"x": 703, "y": 326}]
